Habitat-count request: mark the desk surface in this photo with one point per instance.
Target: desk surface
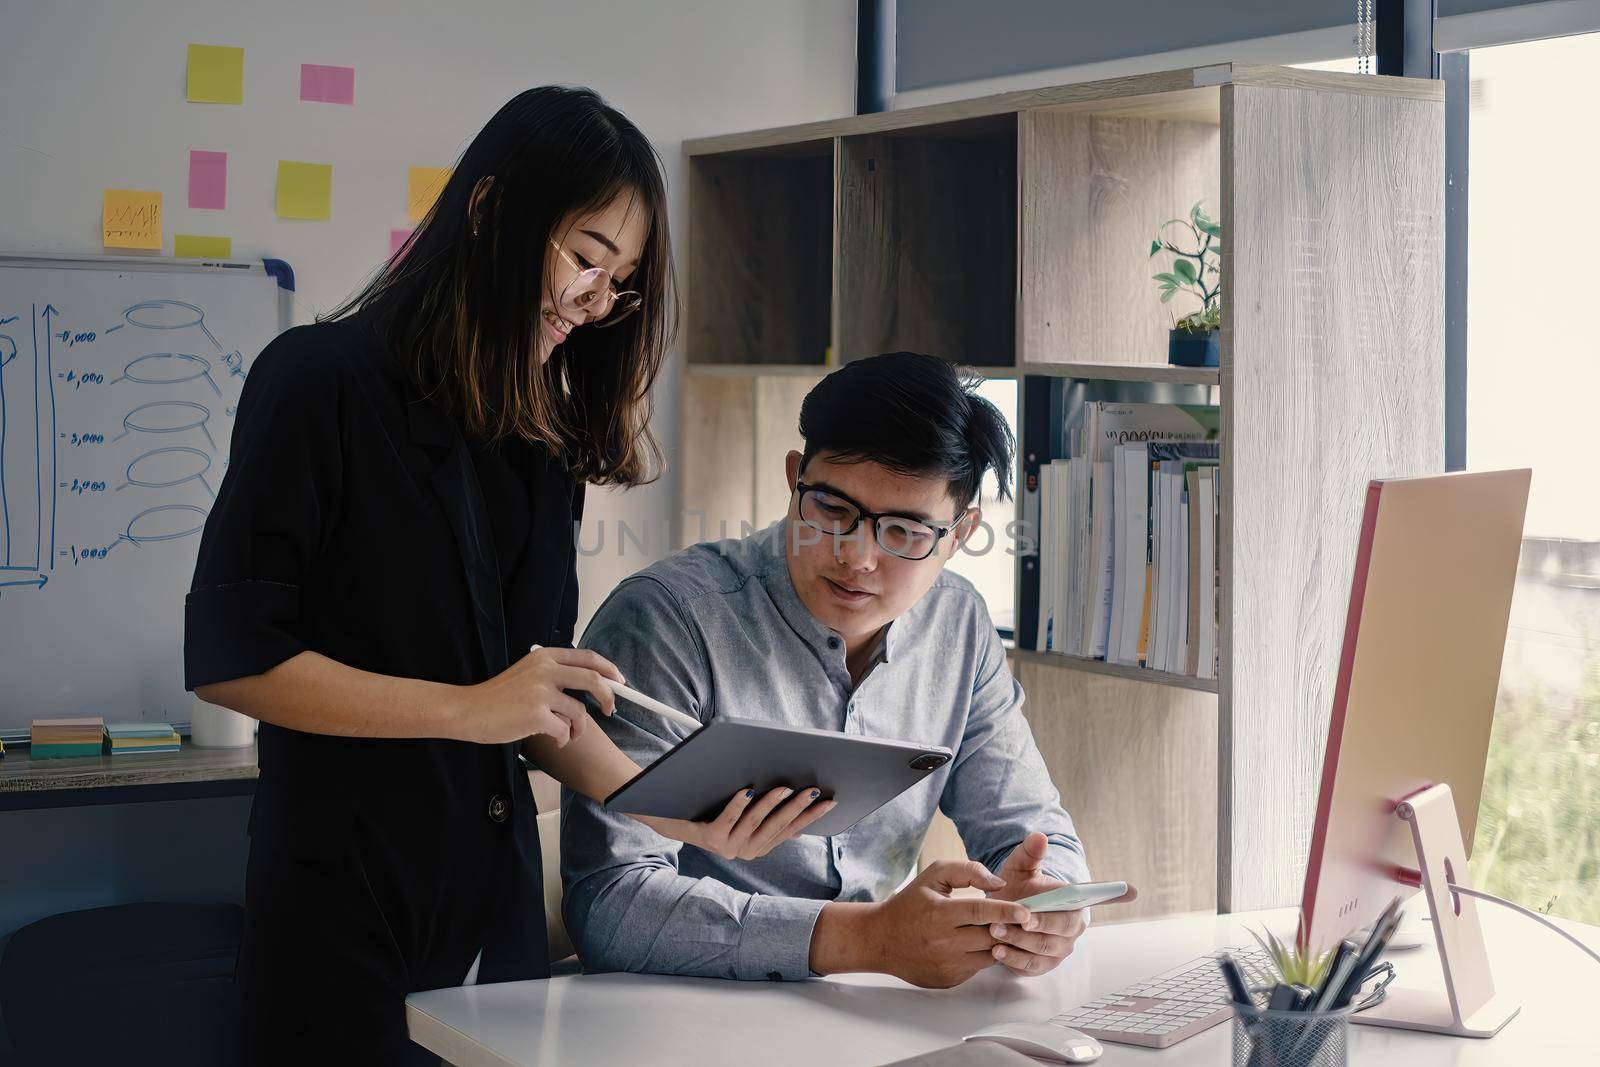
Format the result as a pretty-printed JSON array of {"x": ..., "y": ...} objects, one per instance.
[
  {"x": 869, "y": 1019},
  {"x": 29, "y": 783}
]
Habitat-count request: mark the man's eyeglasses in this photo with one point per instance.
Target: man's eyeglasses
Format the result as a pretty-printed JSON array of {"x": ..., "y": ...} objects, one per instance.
[
  {"x": 838, "y": 516},
  {"x": 594, "y": 291}
]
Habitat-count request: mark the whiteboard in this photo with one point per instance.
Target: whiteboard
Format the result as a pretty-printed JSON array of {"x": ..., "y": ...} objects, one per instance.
[{"x": 118, "y": 384}]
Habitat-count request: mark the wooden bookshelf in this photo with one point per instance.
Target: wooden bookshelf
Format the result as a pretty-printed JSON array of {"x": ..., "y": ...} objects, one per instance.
[
  {"x": 1011, "y": 233},
  {"x": 1126, "y": 372},
  {"x": 1065, "y": 661}
]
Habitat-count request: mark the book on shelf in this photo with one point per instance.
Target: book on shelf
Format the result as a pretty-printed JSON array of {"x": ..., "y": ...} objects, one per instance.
[
  {"x": 1203, "y": 663},
  {"x": 1119, "y": 520},
  {"x": 1169, "y": 581}
]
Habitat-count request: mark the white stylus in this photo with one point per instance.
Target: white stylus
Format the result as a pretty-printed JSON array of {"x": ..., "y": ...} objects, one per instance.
[{"x": 647, "y": 703}]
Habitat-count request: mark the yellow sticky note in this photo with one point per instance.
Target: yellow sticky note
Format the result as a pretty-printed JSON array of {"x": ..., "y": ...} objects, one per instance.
[
  {"x": 423, "y": 186},
  {"x": 216, "y": 74},
  {"x": 200, "y": 246},
  {"x": 305, "y": 190},
  {"x": 130, "y": 218}
]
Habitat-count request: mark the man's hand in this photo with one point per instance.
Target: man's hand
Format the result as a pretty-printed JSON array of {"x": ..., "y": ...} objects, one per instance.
[
  {"x": 921, "y": 934},
  {"x": 1038, "y": 945}
]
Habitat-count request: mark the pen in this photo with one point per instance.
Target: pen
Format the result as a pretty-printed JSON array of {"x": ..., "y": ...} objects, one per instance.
[
  {"x": 1241, "y": 996},
  {"x": 1235, "y": 979},
  {"x": 1377, "y": 941},
  {"x": 1283, "y": 997},
  {"x": 647, "y": 703},
  {"x": 1339, "y": 971}
]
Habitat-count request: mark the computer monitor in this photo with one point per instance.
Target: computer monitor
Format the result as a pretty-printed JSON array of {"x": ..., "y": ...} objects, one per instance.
[{"x": 1418, "y": 675}]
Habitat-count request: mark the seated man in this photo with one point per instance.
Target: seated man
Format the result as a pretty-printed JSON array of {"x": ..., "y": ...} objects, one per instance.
[{"x": 842, "y": 617}]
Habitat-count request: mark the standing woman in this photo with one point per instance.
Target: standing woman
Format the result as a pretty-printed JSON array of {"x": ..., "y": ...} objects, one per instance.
[{"x": 396, "y": 529}]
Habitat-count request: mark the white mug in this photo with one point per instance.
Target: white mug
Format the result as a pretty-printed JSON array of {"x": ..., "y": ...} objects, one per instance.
[{"x": 213, "y": 726}]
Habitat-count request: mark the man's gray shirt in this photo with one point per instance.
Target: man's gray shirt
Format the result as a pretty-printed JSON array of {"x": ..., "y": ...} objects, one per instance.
[{"x": 718, "y": 630}]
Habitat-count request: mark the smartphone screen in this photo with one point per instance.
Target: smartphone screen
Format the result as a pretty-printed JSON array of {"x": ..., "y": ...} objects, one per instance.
[{"x": 1073, "y": 897}]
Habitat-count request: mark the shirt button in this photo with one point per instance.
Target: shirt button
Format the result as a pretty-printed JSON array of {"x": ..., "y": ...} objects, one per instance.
[
  {"x": 498, "y": 809},
  {"x": 833, "y": 642}
]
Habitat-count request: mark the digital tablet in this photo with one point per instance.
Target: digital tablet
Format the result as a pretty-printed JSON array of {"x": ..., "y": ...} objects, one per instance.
[{"x": 696, "y": 778}]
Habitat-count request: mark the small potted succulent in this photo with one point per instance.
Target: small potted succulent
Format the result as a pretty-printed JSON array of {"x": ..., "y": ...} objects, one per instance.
[{"x": 1194, "y": 338}]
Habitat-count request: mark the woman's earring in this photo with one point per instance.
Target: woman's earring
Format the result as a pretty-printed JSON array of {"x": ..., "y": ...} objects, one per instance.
[{"x": 475, "y": 224}]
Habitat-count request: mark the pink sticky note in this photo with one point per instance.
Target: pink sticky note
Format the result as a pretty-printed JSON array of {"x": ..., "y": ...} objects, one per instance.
[
  {"x": 208, "y": 179},
  {"x": 397, "y": 241},
  {"x": 327, "y": 85}
]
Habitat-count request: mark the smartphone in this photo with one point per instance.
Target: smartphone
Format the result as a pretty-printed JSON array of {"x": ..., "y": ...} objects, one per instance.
[{"x": 1073, "y": 897}]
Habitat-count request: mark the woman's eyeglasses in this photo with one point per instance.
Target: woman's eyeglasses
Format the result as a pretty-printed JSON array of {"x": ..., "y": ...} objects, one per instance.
[
  {"x": 594, "y": 291},
  {"x": 838, "y": 516}
]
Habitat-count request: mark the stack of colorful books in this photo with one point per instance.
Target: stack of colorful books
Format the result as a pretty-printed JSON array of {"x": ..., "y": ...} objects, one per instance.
[
  {"x": 140, "y": 737},
  {"x": 65, "y": 738}
]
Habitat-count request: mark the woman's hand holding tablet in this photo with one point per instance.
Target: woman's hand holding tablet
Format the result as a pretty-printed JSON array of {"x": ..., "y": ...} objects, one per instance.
[{"x": 750, "y": 826}]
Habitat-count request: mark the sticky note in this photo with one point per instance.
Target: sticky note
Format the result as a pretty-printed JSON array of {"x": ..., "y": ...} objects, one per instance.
[
  {"x": 216, "y": 74},
  {"x": 327, "y": 85},
  {"x": 130, "y": 218},
  {"x": 208, "y": 179},
  {"x": 423, "y": 185},
  {"x": 199, "y": 246},
  {"x": 305, "y": 190},
  {"x": 398, "y": 239}
]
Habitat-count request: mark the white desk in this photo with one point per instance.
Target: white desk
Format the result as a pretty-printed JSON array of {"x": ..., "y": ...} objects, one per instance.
[{"x": 625, "y": 1019}]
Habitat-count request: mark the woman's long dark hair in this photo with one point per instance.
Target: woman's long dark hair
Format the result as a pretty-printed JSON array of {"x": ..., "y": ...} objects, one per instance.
[{"x": 462, "y": 311}]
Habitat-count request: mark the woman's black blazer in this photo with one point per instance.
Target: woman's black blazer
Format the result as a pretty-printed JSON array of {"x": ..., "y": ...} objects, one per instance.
[{"x": 350, "y": 522}]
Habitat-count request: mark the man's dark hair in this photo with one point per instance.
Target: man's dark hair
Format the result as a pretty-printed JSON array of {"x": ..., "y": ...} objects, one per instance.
[{"x": 912, "y": 414}]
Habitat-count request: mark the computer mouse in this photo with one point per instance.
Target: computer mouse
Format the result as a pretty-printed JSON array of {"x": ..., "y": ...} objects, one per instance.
[{"x": 1058, "y": 1044}]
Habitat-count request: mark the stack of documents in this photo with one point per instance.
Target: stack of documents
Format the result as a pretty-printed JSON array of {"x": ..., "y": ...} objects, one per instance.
[{"x": 64, "y": 738}]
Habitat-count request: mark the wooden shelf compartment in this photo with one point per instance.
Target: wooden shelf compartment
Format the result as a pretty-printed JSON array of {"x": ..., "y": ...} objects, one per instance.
[
  {"x": 1096, "y": 187},
  {"x": 761, "y": 255},
  {"x": 928, "y": 242}
]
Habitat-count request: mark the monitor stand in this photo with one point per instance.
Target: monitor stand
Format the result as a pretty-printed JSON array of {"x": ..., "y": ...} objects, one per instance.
[{"x": 1468, "y": 1005}]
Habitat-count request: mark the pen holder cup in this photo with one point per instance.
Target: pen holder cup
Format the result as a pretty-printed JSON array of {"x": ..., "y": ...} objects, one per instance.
[{"x": 1263, "y": 1038}]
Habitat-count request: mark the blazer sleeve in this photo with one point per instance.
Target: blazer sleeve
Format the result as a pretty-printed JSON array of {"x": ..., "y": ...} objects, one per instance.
[
  {"x": 567, "y": 620},
  {"x": 270, "y": 519}
]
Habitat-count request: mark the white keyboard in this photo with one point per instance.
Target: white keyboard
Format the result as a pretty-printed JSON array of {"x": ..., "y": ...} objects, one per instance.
[{"x": 1169, "y": 1008}]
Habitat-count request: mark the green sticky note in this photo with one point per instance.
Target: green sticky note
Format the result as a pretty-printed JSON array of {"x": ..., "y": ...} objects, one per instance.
[
  {"x": 200, "y": 246},
  {"x": 305, "y": 190},
  {"x": 216, "y": 74}
]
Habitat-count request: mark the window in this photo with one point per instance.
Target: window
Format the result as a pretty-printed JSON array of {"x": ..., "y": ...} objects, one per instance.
[
  {"x": 1533, "y": 381},
  {"x": 985, "y": 560}
]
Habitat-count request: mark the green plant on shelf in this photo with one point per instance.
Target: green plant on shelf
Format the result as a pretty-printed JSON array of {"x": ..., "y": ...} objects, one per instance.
[{"x": 1195, "y": 269}]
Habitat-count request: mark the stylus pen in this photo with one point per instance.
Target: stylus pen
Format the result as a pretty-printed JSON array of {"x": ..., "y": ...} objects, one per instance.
[{"x": 648, "y": 703}]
